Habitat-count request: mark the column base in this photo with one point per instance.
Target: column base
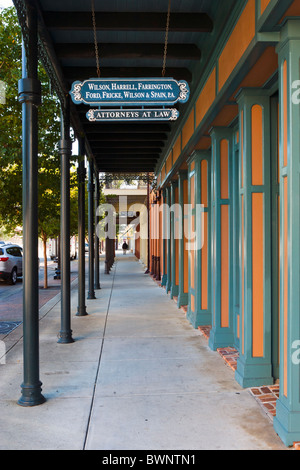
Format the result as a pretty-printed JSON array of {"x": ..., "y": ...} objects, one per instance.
[
  {"x": 91, "y": 296},
  {"x": 31, "y": 395},
  {"x": 81, "y": 312},
  {"x": 164, "y": 280},
  {"x": 183, "y": 299},
  {"x": 253, "y": 375},
  {"x": 287, "y": 424},
  {"x": 65, "y": 337},
  {"x": 196, "y": 319},
  {"x": 97, "y": 287},
  {"x": 168, "y": 286},
  {"x": 174, "y": 291},
  {"x": 222, "y": 338}
]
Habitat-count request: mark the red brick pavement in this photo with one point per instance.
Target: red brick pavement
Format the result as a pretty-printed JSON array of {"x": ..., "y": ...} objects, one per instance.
[{"x": 11, "y": 308}]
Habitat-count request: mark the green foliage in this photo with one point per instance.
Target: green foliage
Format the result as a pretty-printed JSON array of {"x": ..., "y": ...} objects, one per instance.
[{"x": 11, "y": 141}]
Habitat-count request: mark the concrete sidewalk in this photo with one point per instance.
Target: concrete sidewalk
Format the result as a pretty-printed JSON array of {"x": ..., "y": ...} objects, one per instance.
[{"x": 137, "y": 377}]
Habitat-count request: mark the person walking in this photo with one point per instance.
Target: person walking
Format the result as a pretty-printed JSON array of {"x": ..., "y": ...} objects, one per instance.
[{"x": 124, "y": 248}]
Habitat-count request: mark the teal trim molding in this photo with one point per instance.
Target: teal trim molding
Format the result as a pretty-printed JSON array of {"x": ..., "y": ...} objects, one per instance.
[
  {"x": 254, "y": 365},
  {"x": 197, "y": 313},
  {"x": 222, "y": 332}
]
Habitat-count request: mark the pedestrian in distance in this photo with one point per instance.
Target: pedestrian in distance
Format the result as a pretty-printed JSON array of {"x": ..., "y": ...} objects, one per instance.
[{"x": 124, "y": 248}]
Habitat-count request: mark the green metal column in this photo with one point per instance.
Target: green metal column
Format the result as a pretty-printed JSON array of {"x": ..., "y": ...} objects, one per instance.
[
  {"x": 65, "y": 334},
  {"x": 174, "y": 237},
  {"x": 287, "y": 420},
  {"x": 97, "y": 241},
  {"x": 254, "y": 366},
  {"x": 30, "y": 97},
  {"x": 183, "y": 221},
  {"x": 199, "y": 304},
  {"x": 222, "y": 332},
  {"x": 91, "y": 190},
  {"x": 81, "y": 171}
]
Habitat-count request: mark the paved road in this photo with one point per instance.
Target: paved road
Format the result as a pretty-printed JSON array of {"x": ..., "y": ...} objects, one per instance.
[{"x": 11, "y": 297}]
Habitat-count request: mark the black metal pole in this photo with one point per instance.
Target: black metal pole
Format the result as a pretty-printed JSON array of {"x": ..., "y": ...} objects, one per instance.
[
  {"x": 30, "y": 97},
  {"x": 81, "y": 310},
  {"x": 97, "y": 244},
  {"x": 91, "y": 292},
  {"x": 65, "y": 334}
]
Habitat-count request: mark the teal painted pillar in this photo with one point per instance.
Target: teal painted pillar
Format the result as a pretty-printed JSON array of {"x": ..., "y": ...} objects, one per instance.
[
  {"x": 235, "y": 239},
  {"x": 222, "y": 332},
  {"x": 174, "y": 239},
  {"x": 254, "y": 366},
  {"x": 199, "y": 305},
  {"x": 165, "y": 238},
  {"x": 168, "y": 244},
  {"x": 287, "y": 420},
  {"x": 183, "y": 288}
]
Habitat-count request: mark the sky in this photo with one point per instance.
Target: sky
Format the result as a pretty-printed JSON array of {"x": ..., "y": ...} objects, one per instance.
[{"x": 6, "y": 3}]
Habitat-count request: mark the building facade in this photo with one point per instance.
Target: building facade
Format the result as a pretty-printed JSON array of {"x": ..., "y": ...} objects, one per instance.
[{"x": 225, "y": 211}]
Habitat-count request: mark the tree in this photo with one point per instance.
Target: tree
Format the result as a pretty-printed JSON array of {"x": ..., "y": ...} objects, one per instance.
[{"x": 11, "y": 141}]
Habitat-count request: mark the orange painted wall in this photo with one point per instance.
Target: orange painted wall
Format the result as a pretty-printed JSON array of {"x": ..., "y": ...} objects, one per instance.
[
  {"x": 257, "y": 275},
  {"x": 263, "y": 5},
  {"x": 186, "y": 252},
  {"x": 177, "y": 149},
  {"x": 238, "y": 42},
  {"x": 206, "y": 97},
  {"x": 224, "y": 169},
  {"x": 257, "y": 233},
  {"x": 225, "y": 266},
  {"x": 192, "y": 228},
  {"x": 285, "y": 285},
  {"x": 257, "y": 145},
  {"x": 293, "y": 10},
  {"x": 169, "y": 163},
  {"x": 188, "y": 129},
  {"x": 204, "y": 251},
  {"x": 224, "y": 190},
  {"x": 243, "y": 273}
]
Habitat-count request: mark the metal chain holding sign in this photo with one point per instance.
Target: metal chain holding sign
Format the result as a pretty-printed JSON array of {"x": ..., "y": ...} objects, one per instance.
[
  {"x": 95, "y": 39},
  {"x": 166, "y": 40}
]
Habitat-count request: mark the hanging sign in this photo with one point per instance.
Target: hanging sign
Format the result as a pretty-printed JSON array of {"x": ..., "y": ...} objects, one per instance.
[
  {"x": 130, "y": 92},
  {"x": 159, "y": 114}
]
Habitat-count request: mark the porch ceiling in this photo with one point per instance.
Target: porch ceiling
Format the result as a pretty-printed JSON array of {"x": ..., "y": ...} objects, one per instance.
[{"x": 130, "y": 35}]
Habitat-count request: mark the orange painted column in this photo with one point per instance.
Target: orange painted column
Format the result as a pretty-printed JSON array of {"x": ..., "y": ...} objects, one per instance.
[
  {"x": 152, "y": 233},
  {"x": 222, "y": 332},
  {"x": 158, "y": 236},
  {"x": 254, "y": 366}
]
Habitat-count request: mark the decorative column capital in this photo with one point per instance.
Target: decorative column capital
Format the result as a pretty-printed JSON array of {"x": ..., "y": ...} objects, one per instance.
[
  {"x": 198, "y": 155},
  {"x": 30, "y": 91},
  {"x": 65, "y": 147}
]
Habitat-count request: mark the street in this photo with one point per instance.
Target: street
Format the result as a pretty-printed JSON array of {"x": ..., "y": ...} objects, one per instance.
[{"x": 11, "y": 297}]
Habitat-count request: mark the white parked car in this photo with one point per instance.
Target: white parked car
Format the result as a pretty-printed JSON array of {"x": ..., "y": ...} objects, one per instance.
[{"x": 11, "y": 262}]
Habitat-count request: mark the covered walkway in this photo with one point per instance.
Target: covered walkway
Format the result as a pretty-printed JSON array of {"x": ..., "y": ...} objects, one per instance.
[{"x": 138, "y": 376}]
